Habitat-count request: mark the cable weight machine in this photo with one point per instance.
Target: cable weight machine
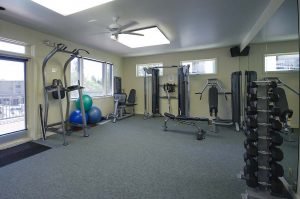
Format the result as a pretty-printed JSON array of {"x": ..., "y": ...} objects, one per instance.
[{"x": 152, "y": 93}]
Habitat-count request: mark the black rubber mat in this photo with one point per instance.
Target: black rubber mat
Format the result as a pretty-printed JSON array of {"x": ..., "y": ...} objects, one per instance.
[{"x": 10, "y": 155}]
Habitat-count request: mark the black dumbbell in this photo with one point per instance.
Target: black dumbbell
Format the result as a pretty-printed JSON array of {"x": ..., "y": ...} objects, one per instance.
[
  {"x": 251, "y": 167},
  {"x": 277, "y": 186},
  {"x": 250, "y": 110},
  {"x": 275, "y": 139},
  {"x": 252, "y": 123},
  {"x": 275, "y": 153},
  {"x": 276, "y": 169},
  {"x": 252, "y": 103},
  {"x": 272, "y": 97},
  {"x": 251, "y": 180},
  {"x": 254, "y": 84},
  {"x": 251, "y": 134},
  {"x": 251, "y": 150}
]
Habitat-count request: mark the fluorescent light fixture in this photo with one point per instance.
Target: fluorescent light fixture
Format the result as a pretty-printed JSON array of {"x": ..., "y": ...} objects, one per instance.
[
  {"x": 152, "y": 37},
  {"x": 68, "y": 7}
]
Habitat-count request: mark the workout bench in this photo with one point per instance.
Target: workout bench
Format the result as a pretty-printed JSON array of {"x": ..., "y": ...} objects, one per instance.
[{"x": 187, "y": 121}]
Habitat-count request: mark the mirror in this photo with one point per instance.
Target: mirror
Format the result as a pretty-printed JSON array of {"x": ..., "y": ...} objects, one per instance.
[{"x": 275, "y": 53}]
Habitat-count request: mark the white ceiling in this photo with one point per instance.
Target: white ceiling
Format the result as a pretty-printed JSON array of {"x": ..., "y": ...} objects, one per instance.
[{"x": 189, "y": 24}]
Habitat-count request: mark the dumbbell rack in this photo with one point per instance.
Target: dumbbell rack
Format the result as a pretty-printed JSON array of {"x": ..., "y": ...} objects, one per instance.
[{"x": 262, "y": 170}]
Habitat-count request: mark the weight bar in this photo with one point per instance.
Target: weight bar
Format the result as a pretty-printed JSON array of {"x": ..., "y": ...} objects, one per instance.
[{"x": 252, "y": 123}]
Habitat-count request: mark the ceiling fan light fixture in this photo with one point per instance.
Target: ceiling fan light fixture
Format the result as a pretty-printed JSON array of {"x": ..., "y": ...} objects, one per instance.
[
  {"x": 152, "y": 37},
  {"x": 68, "y": 7}
]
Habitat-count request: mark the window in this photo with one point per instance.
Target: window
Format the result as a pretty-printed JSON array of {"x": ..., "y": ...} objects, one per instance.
[
  {"x": 140, "y": 69},
  {"x": 12, "y": 95},
  {"x": 203, "y": 66},
  {"x": 94, "y": 76},
  {"x": 282, "y": 62},
  {"x": 12, "y": 46}
]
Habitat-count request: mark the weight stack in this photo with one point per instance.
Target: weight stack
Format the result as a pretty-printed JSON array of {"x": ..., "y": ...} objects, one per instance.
[{"x": 262, "y": 157}]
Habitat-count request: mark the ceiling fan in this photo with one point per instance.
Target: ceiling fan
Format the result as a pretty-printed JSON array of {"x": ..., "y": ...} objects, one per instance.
[{"x": 115, "y": 28}]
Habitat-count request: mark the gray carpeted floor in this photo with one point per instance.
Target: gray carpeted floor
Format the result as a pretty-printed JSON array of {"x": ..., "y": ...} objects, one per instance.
[{"x": 131, "y": 159}]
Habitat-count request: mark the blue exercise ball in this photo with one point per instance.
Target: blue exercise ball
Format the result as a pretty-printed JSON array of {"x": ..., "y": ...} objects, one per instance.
[
  {"x": 76, "y": 117},
  {"x": 95, "y": 115}
]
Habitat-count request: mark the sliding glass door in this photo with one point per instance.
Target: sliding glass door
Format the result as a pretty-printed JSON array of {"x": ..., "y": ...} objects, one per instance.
[{"x": 12, "y": 95}]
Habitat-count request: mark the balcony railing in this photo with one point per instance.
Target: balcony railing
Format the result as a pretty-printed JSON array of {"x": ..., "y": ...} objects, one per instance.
[{"x": 11, "y": 107}]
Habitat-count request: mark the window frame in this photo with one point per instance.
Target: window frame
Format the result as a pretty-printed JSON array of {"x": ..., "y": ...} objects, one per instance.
[
  {"x": 160, "y": 64},
  {"x": 278, "y": 54},
  {"x": 207, "y": 59},
  {"x": 104, "y": 76}
]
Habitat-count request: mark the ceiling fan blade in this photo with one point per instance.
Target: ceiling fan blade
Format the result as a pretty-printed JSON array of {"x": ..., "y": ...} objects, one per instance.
[
  {"x": 132, "y": 23},
  {"x": 131, "y": 33}
]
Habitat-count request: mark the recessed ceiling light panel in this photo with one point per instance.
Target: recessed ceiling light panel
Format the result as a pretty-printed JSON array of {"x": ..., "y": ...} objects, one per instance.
[
  {"x": 152, "y": 37},
  {"x": 68, "y": 7}
]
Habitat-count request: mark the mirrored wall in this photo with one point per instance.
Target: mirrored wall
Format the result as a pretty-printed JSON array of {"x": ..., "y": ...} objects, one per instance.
[{"x": 274, "y": 52}]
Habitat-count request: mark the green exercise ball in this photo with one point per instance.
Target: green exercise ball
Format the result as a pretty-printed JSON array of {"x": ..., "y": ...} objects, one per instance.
[{"x": 87, "y": 102}]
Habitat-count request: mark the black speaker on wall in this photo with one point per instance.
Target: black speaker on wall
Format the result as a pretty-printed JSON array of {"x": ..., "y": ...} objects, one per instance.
[{"x": 235, "y": 51}]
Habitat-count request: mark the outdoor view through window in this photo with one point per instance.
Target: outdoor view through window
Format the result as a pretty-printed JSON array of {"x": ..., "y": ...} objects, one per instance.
[{"x": 12, "y": 96}]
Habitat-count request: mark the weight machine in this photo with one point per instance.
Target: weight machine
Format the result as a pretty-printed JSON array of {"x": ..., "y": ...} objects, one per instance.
[
  {"x": 58, "y": 91},
  {"x": 154, "y": 91},
  {"x": 215, "y": 89},
  {"x": 121, "y": 102}
]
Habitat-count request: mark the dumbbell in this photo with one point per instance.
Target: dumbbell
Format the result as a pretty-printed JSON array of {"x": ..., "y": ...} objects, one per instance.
[
  {"x": 274, "y": 124},
  {"x": 272, "y": 97},
  {"x": 276, "y": 186},
  {"x": 251, "y": 180},
  {"x": 254, "y": 90},
  {"x": 271, "y": 84},
  {"x": 251, "y": 167},
  {"x": 251, "y": 103},
  {"x": 275, "y": 139},
  {"x": 251, "y": 134},
  {"x": 275, "y": 153},
  {"x": 250, "y": 110}
]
